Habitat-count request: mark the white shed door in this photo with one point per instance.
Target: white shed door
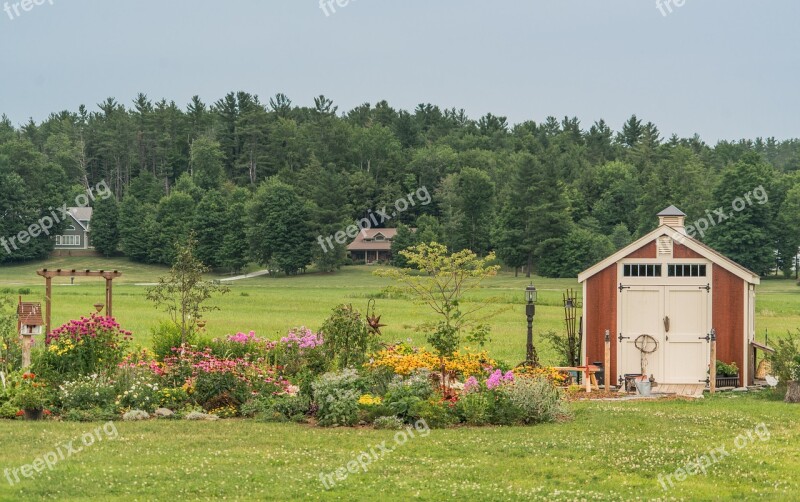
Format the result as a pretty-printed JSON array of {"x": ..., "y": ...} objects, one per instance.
[
  {"x": 686, "y": 350},
  {"x": 677, "y": 318},
  {"x": 642, "y": 314}
]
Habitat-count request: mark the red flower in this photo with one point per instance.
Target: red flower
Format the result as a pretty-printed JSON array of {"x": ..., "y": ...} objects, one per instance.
[{"x": 20, "y": 413}]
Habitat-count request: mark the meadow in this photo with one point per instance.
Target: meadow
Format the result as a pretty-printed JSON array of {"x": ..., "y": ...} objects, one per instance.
[
  {"x": 271, "y": 306},
  {"x": 610, "y": 450}
]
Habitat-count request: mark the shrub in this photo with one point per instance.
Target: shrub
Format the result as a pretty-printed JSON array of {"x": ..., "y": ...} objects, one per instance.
[
  {"x": 241, "y": 345},
  {"x": 82, "y": 347},
  {"x": 786, "y": 350},
  {"x": 137, "y": 389},
  {"x": 473, "y": 408},
  {"x": 404, "y": 394},
  {"x": 301, "y": 351},
  {"x": 166, "y": 336},
  {"x": 8, "y": 411},
  {"x": 389, "y": 423},
  {"x": 537, "y": 399},
  {"x": 502, "y": 410},
  {"x": 91, "y": 415},
  {"x": 31, "y": 394},
  {"x": 437, "y": 413},
  {"x": 336, "y": 396},
  {"x": 347, "y": 337},
  {"x": 87, "y": 392},
  {"x": 173, "y": 398}
]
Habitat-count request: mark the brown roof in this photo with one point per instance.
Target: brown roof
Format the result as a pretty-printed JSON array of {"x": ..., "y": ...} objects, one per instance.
[
  {"x": 30, "y": 313},
  {"x": 364, "y": 241}
]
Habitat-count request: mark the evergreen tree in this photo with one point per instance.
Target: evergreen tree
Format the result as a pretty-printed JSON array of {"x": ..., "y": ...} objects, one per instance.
[{"x": 104, "y": 226}]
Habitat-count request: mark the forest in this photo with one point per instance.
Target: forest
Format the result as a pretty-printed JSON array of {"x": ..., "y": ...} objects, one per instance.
[{"x": 259, "y": 182}]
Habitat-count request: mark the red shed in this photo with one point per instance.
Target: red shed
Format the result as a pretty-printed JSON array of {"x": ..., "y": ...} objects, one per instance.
[{"x": 674, "y": 289}]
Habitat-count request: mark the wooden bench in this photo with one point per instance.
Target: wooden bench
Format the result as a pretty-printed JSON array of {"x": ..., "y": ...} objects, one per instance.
[{"x": 589, "y": 374}]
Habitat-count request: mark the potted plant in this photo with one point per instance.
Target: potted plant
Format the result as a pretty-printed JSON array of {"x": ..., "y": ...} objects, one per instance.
[
  {"x": 31, "y": 397},
  {"x": 727, "y": 374}
]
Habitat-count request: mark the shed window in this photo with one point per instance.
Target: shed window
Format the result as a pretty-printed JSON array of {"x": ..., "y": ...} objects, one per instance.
[
  {"x": 641, "y": 270},
  {"x": 686, "y": 270}
]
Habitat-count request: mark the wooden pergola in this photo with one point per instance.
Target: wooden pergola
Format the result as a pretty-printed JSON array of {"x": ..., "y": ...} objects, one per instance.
[{"x": 48, "y": 275}]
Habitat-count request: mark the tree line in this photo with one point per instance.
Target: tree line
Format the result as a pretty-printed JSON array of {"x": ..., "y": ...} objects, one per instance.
[{"x": 259, "y": 181}]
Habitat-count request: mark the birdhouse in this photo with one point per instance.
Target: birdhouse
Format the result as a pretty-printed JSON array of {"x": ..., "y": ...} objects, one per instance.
[{"x": 29, "y": 315}]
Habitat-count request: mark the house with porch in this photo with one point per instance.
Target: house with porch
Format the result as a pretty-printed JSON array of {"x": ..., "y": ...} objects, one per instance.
[{"x": 372, "y": 245}]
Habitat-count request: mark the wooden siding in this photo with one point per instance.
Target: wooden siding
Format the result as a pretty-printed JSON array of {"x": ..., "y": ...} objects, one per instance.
[
  {"x": 728, "y": 317},
  {"x": 601, "y": 315},
  {"x": 681, "y": 251},
  {"x": 646, "y": 251}
]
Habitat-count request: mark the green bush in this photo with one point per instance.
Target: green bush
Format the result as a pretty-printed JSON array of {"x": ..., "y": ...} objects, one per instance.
[
  {"x": 137, "y": 389},
  {"x": 502, "y": 410},
  {"x": 173, "y": 398},
  {"x": 336, "y": 396},
  {"x": 347, "y": 337},
  {"x": 537, "y": 399},
  {"x": 8, "y": 411},
  {"x": 87, "y": 392},
  {"x": 403, "y": 395},
  {"x": 166, "y": 336},
  {"x": 436, "y": 413},
  {"x": 782, "y": 361},
  {"x": 92, "y": 415},
  {"x": 82, "y": 346},
  {"x": 473, "y": 408}
]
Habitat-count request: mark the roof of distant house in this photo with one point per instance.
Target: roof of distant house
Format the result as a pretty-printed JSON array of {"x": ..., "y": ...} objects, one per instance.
[
  {"x": 81, "y": 214},
  {"x": 373, "y": 239}
]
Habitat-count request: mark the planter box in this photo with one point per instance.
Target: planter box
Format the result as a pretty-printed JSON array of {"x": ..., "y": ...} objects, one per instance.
[
  {"x": 33, "y": 414},
  {"x": 727, "y": 381}
]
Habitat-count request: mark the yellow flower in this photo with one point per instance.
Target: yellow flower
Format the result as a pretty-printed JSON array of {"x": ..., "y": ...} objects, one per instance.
[{"x": 369, "y": 400}]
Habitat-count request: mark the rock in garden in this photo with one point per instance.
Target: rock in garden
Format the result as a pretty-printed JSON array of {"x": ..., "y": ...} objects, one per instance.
[{"x": 164, "y": 413}]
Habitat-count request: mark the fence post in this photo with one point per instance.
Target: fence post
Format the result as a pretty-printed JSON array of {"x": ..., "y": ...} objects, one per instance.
[
  {"x": 607, "y": 363},
  {"x": 712, "y": 384}
]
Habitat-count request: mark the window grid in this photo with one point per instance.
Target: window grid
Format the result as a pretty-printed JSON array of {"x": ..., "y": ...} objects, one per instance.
[
  {"x": 686, "y": 270},
  {"x": 642, "y": 270}
]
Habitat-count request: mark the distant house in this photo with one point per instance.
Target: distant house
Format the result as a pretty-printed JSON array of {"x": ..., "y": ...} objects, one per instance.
[
  {"x": 372, "y": 245},
  {"x": 76, "y": 231}
]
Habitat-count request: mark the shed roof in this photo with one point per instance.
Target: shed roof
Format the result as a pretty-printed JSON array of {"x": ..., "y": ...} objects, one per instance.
[
  {"x": 81, "y": 214},
  {"x": 681, "y": 238}
]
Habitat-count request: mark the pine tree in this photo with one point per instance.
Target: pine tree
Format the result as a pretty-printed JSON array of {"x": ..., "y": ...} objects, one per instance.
[{"x": 104, "y": 231}]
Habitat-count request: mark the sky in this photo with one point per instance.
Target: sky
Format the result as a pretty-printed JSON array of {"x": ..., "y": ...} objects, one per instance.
[{"x": 724, "y": 69}]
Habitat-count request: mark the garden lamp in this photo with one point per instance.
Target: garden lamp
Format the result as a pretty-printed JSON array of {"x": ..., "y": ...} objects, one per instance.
[{"x": 530, "y": 311}]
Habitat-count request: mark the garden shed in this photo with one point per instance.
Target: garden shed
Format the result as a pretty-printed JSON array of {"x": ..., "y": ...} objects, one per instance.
[{"x": 659, "y": 299}]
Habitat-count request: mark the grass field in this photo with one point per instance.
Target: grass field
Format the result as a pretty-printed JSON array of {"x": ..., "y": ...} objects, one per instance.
[
  {"x": 609, "y": 451},
  {"x": 272, "y": 305}
]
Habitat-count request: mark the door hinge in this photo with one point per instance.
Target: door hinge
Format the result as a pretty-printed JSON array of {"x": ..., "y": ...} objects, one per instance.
[
  {"x": 621, "y": 287},
  {"x": 623, "y": 337},
  {"x": 707, "y": 287}
]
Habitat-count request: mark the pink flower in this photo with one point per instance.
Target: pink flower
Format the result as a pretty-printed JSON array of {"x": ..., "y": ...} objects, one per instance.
[{"x": 471, "y": 384}]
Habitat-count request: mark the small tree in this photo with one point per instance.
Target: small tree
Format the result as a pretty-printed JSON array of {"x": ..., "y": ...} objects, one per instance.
[
  {"x": 183, "y": 293},
  {"x": 444, "y": 281}
]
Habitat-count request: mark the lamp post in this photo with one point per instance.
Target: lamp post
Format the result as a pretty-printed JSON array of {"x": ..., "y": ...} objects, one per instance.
[{"x": 531, "y": 358}]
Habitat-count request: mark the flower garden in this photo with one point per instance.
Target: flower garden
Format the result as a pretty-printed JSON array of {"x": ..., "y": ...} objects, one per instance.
[{"x": 86, "y": 371}]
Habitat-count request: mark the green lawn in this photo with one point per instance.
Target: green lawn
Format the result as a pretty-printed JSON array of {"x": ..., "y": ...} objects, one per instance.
[{"x": 610, "y": 451}]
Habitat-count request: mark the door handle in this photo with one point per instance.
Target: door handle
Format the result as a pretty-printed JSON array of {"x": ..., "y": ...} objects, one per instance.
[{"x": 666, "y": 324}]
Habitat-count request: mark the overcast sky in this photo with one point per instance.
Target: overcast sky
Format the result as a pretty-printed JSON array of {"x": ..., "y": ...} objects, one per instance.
[{"x": 725, "y": 69}]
